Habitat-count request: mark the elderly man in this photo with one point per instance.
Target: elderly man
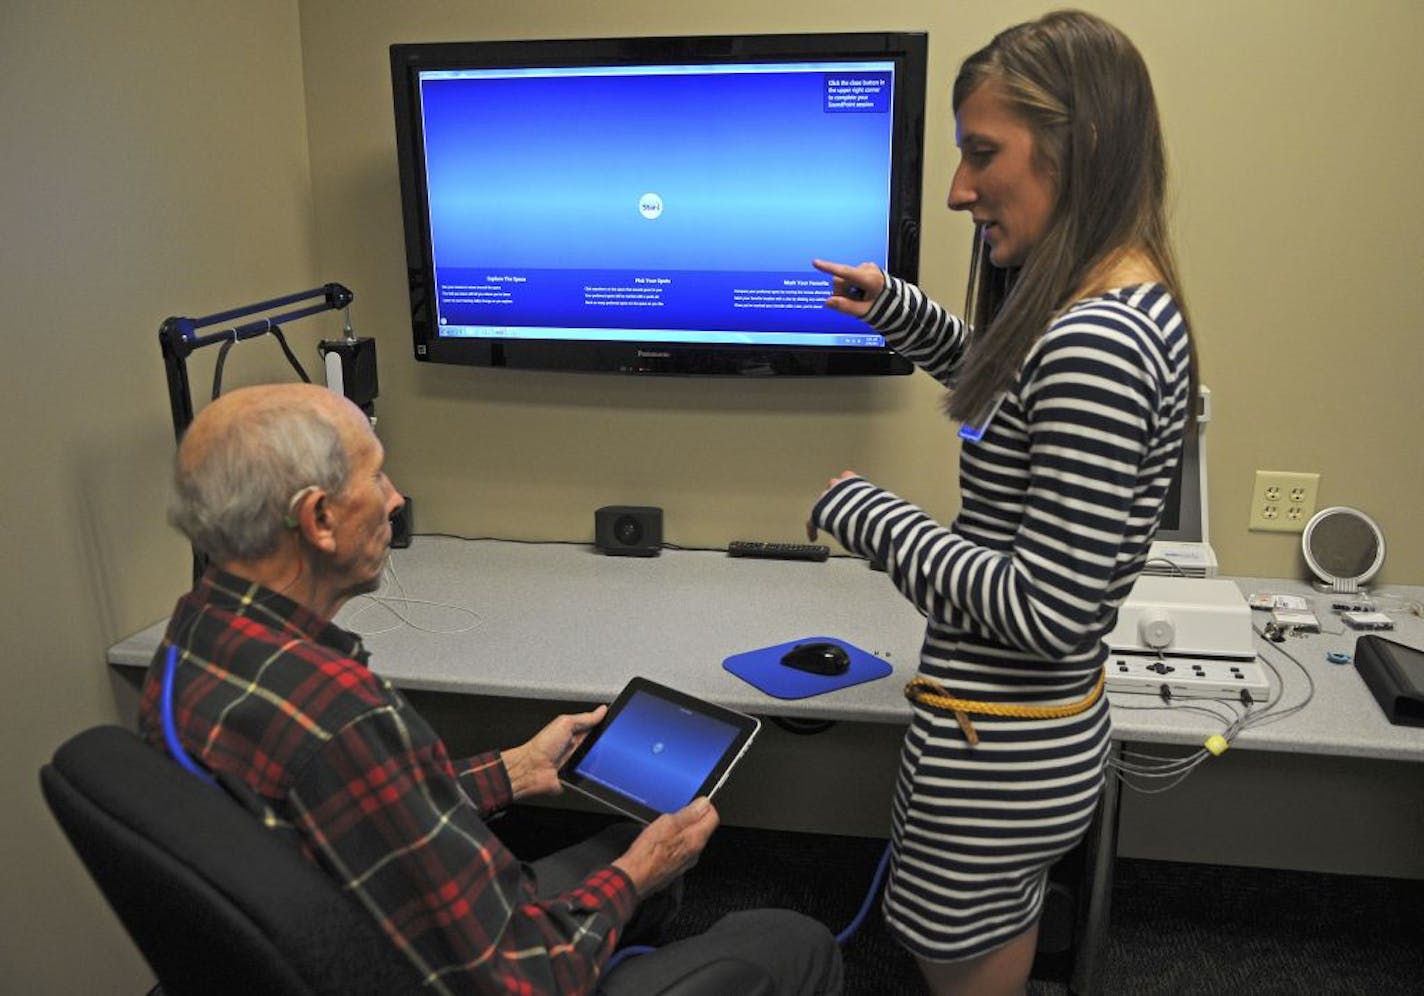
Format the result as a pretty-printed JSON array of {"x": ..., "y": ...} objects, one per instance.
[{"x": 283, "y": 488}]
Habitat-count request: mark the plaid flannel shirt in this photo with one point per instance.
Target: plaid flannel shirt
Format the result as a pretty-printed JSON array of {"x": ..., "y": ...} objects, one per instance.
[{"x": 273, "y": 697}]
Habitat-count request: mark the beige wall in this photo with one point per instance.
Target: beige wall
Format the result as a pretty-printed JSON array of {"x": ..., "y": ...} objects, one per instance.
[
  {"x": 157, "y": 163},
  {"x": 153, "y": 161}
]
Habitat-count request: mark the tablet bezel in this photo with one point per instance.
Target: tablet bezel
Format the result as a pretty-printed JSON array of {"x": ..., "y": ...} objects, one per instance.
[{"x": 746, "y": 728}]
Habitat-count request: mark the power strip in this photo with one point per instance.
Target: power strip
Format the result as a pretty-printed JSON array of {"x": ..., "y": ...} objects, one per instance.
[{"x": 1188, "y": 677}]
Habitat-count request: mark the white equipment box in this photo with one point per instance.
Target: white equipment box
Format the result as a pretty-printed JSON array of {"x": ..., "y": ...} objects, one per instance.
[{"x": 1192, "y": 635}]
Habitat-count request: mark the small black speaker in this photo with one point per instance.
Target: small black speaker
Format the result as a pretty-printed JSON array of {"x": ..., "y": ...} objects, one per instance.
[
  {"x": 351, "y": 369},
  {"x": 403, "y": 524},
  {"x": 628, "y": 530}
]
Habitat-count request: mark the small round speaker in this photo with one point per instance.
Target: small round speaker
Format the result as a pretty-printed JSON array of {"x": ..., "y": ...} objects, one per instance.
[
  {"x": 1343, "y": 546},
  {"x": 628, "y": 530}
]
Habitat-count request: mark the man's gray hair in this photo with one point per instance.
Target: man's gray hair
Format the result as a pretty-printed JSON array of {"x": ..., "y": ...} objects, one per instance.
[{"x": 231, "y": 499}]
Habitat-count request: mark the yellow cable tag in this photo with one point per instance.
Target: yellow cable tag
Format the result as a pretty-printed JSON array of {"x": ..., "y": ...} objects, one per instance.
[{"x": 1217, "y": 744}]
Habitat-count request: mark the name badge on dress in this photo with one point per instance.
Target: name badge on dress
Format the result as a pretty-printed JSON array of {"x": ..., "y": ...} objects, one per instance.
[{"x": 974, "y": 433}]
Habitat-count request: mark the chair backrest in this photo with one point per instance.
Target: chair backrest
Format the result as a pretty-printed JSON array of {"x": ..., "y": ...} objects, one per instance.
[{"x": 216, "y": 903}]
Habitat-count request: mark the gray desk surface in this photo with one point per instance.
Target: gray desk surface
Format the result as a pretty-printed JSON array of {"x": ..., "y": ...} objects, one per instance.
[{"x": 562, "y": 622}]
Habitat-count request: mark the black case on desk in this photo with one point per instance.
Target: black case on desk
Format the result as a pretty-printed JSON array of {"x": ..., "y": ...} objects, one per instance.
[{"x": 1395, "y": 673}]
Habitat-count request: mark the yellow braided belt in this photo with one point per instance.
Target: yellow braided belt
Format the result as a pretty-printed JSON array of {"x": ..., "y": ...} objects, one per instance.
[{"x": 928, "y": 692}]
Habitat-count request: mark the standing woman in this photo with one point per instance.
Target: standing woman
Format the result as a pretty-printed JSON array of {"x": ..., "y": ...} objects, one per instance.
[{"x": 1073, "y": 383}]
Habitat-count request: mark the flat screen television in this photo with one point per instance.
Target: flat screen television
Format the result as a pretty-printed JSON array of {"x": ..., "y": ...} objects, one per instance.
[{"x": 652, "y": 205}]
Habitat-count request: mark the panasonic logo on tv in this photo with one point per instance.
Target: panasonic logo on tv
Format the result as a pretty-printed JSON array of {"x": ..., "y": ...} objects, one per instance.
[{"x": 648, "y": 354}]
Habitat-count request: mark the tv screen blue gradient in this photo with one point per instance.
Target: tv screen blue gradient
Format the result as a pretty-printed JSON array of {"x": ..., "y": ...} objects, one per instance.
[
  {"x": 680, "y": 202},
  {"x": 657, "y": 752}
]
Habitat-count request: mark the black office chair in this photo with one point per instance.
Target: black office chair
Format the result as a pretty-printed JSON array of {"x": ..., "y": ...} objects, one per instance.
[
  {"x": 216, "y": 903},
  {"x": 219, "y": 905}
]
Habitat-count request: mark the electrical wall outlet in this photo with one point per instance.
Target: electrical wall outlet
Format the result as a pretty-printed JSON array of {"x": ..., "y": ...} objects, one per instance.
[{"x": 1282, "y": 501}]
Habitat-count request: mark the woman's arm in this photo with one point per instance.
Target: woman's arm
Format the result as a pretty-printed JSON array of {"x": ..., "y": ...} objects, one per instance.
[{"x": 1087, "y": 401}]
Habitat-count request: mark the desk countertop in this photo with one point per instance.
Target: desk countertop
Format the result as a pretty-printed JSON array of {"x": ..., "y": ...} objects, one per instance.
[{"x": 562, "y": 622}]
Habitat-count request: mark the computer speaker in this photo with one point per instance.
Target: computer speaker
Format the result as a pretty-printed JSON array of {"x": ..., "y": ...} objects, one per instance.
[
  {"x": 628, "y": 530},
  {"x": 1344, "y": 547}
]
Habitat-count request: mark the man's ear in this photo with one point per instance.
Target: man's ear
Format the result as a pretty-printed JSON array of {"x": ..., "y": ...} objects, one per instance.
[
  {"x": 316, "y": 520},
  {"x": 324, "y": 517}
]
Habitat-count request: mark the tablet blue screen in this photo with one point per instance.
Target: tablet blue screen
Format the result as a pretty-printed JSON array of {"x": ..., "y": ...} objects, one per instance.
[{"x": 657, "y": 752}]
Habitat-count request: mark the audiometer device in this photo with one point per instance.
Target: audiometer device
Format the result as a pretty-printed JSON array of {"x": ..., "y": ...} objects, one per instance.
[
  {"x": 1192, "y": 636},
  {"x": 656, "y": 750}
]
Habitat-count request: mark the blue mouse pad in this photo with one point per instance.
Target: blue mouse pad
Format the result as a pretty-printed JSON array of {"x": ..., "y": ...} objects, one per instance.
[{"x": 763, "y": 669}]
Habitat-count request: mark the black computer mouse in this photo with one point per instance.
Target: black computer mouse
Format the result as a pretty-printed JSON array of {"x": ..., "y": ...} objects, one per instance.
[{"x": 829, "y": 659}]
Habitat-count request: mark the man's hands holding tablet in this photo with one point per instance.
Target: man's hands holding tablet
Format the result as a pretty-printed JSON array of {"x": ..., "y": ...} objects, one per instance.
[
  {"x": 668, "y": 846},
  {"x": 657, "y": 755}
]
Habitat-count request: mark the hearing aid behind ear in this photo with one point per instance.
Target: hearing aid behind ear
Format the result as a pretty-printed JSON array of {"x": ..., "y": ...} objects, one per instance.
[{"x": 290, "y": 520}]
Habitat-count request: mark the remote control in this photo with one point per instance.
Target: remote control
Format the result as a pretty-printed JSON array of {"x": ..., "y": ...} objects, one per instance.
[{"x": 778, "y": 551}]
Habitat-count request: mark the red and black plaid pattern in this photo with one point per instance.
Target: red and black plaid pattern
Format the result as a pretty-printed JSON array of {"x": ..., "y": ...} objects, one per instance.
[{"x": 277, "y": 699}]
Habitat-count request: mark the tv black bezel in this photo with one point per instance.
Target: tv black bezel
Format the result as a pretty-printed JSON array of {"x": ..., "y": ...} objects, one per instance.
[{"x": 907, "y": 49}]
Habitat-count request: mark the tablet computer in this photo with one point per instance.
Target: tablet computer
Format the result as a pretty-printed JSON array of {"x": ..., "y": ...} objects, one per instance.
[{"x": 656, "y": 750}]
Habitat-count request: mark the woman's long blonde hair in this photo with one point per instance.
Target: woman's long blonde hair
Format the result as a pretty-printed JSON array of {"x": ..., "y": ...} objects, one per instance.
[{"x": 1085, "y": 93}]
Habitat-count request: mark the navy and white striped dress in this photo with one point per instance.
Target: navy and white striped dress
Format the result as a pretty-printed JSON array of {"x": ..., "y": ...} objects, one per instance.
[{"x": 1061, "y": 498}]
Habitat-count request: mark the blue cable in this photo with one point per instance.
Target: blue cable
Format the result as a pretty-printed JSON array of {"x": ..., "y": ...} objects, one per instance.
[
  {"x": 170, "y": 728},
  {"x": 845, "y": 935},
  {"x": 623, "y": 954},
  {"x": 842, "y": 938}
]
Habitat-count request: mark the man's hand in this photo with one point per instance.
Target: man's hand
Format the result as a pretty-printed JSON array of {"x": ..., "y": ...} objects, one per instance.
[
  {"x": 534, "y": 767},
  {"x": 669, "y": 846}
]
